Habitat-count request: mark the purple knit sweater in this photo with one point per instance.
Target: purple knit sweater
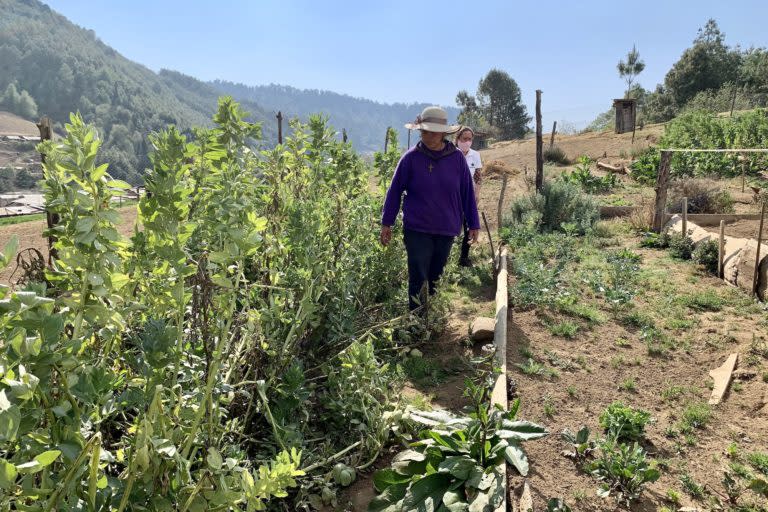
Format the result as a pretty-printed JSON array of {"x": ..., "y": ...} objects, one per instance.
[{"x": 438, "y": 192}]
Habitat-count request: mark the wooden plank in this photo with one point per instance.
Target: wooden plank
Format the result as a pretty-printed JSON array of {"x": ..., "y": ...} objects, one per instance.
[
  {"x": 685, "y": 217},
  {"x": 721, "y": 250},
  {"x": 661, "y": 191},
  {"x": 722, "y": 377},
  {"x": 500, "y": 208},
  {"x": 499, "y": 393}
]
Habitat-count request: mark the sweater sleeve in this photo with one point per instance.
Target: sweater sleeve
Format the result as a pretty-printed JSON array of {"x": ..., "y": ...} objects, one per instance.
[
  {"x": 468, "y": 203},
  {"x": 395, "y": 192}
]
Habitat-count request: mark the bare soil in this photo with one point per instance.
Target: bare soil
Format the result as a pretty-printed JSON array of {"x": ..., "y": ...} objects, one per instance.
[{"x": 11, "y": 124}]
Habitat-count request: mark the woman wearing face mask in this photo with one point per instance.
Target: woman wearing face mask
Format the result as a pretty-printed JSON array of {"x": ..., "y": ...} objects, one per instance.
[
  {"x": 463, "y": 141},
  {"x": 439, "y": 195}
]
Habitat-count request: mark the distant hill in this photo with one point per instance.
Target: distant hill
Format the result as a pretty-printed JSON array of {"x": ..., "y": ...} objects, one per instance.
[
  {"x": 66, "y": 68},
  {"x": 365, "y": 120}
]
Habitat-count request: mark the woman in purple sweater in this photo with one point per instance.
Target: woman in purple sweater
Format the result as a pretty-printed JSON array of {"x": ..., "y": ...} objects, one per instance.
[{"x": 438, "y": 196}]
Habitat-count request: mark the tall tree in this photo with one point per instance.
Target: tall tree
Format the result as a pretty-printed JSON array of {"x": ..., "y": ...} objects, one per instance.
[
  {"x": 707, "y": 65},
  {"x": 629, "y": 69},
  {"x": 499, "y": 98}
]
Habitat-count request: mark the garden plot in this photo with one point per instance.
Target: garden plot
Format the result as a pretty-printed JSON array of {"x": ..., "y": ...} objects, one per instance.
[{"x": 646, "y": 336}]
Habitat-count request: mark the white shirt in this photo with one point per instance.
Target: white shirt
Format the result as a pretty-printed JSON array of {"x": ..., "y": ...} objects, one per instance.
[{"x": 473, "y": 161}]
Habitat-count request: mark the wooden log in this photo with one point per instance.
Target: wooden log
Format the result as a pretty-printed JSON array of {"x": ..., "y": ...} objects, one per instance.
[
  {"x": 617, "y": 169},
  {"x": 499, "y": 210},
  {"x": 662, "y": 181},
  {"x": 685, "y": 217},
  {"x": 756, "y": 277},
  {"x": 539, "y": 145},
  {"x": 721, "y": 250},
  {"x": 490, "y": 238}
]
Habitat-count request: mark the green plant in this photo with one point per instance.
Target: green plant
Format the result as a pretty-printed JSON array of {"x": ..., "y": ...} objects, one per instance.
[
  {"x": 624, "y": 423},
  {"x": 582, "y": 176},
  {"x": 618, "y": 284},
  {"x": 680, "y": 246},
  {"x": 708, "y": 300},
  {"x": 623, "y": 470},
  {"x": 565, "y": 329},
  {"x": 706, "y": 255},
  {"x": 454, "y": 462},
  {"x": 533, "y": 367},
  {"x": 628, "y": 384},
  {"x": 673, "y": 496},
  {"x": 571, "y": 391},
  {"x": 695, "y": 416},
  {"x": 704, "y": 196},
  {"x": 557, "y": 505},
  {"x": 556, "y": 155},
  {"x": 423, "y": 371},
  {"x": 549, "y": 407},
  {"x": 581, "y": 447},
  {"x": 559, "y": 203},
  {"x": 759, "y": 461},
  {"x": 690, "y": 487}
]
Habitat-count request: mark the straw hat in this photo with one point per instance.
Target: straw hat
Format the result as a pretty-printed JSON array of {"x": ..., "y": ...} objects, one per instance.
[{"x": 432, "y": 119}]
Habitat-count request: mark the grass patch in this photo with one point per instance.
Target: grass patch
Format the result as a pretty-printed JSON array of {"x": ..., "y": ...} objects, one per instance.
[
  {"x": 695, "y": 416},
  {"x": 533, "y": 367},
  {"x": 423, "y": 371},
  {"x": 583, "y": 311},
  {"x": 20, "y": 219},
  {"x": 705, "y": 301},
  {"x": 759, "y": 461},
  {"x": 638, "y": 320},
  {"x": 565, "y": 329}
]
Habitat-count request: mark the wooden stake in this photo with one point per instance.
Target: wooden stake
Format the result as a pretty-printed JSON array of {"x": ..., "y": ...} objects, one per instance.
[
  {"x": 743, "y": 175},
  {"x": 552, "y": 137},
  {"x": 386, "y": 139},
  {"x": 344, "y": 135},
  {"x": 756, "y": 277},
  {"x": 52, "y": 219},
  {"x": 409, "y": 138},
  {"x": 685, "y": 217},
  {"x": 661, "y": 191},
  {"x": 539, "y": 145},
  {"x": 501, "y": 204},
  {"x": 279, "y": 127},
  {"x": 721, "y": 251},
  {"x": 490, "y": 238}
]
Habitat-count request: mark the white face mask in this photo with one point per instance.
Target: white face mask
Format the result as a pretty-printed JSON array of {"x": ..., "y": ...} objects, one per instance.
[{"x": 465, "y": 145}]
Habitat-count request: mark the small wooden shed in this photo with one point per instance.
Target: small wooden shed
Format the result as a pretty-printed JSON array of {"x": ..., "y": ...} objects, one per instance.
[
  {"x": 626, "y": 114},
  {"x": 480, "y": 141}
]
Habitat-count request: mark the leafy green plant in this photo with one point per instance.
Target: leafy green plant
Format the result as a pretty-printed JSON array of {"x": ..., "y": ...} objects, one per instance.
[
  {"x": 655, "y": 240},
  {"x": 618, "y": 284},
  {"x": 691, "y": 487},
  {"x": 581, "y": 447},
  {"x": 623, "y": 470},
  {"x": 759, "y": 461},
  {"x": 565, "y": 329},
  {"x": 680, "y": 246},
  {"x": 624, "y": 423},
  {"x": 559, "y": 203},
  {"x": 582, "y": 176},
  {"x": 706, "y": 255},
  {"x": 455, "y": 461}
]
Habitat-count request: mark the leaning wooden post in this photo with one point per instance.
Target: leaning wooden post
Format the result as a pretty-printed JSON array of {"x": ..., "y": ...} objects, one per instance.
[
  {"x": 661, "y": 191},
  {"x": 756, "y": 277},
  {"x": 552, "y": 137},
  {"x": 539, "y": 145},
  {"x": 685, "y": 217},
  {"x": 721, "y": 251},
  {"x": 386, "y": 139},
  {"x": 501, "y": 205},
  {"x": 52, "y": 219},
  {"x": 490, "y": 238},
  {"x": 279, "y": 127}
]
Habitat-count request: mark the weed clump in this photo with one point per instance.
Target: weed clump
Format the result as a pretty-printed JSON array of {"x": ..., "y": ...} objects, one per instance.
[
  {"x": 706, "y": 254},
  {"x": 623, "y": 423},
  {"x": 556, "y": 155},
  {"x": 559, "y": 204}
]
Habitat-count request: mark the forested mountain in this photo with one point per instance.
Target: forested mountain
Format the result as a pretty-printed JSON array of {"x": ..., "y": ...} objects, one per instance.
[{"x": 365, "y": 120}]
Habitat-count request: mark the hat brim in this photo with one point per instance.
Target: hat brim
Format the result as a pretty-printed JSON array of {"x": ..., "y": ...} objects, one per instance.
[{"x": 433, "y": 127}]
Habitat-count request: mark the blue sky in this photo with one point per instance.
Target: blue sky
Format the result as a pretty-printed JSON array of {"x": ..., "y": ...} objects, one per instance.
[{"x": 418, "y": 51}]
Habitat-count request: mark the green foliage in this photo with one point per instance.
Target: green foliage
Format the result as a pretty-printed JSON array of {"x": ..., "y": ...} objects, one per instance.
[
  {"x": 566, "y": 329},
  {"x": 707, "y": 300},
  {"x": 629, "y": 69},
  {"x": 618, "y": 283},
  {"x": 18, "y": 102},
  {"x": 182, "y": 366},
  {"x": 759, "y": 461},
  {"x": 623, "y": 470},
  {"x": 582, "y": 448},
  {"x": 556, "y": 155},
  {"x": 499, "y": 99},
  {"x": 582, "y": 176},
  {"x": 25, "y": 180},
  {"x": 623, "y": 423},
  {"x": 539, "y": 267},
  {"x": 680, "y": 246},
  {"x": 706, "y": 254},
  {"x": 691, "y": 487},
  {"x": 704, "y": 196},
  {"x": 423, "y": 371},
  {"x": 655, "y": 240},
  {"x": 559, "y": 204},
  {"x": 454, "y": 463}
]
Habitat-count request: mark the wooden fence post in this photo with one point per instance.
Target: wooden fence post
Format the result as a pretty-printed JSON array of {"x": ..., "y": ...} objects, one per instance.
[
  {"x": 52, "y": 219},
  {"x": 539, "y": 145},
  {"x": 386, "y": 139},
  {"x": 685, "y": 217},
  {"x": 755, "y": 279},
  {"x": 661, "y": 191},
  {"x": 279, "y": 127},
  {"x": 721, "y": 251},
  {"x": 344, "y": 135},
  {"x": 409, "y": 138},
  {"x": 501, "y": 205},
  {"x": 552, "y": 137}
]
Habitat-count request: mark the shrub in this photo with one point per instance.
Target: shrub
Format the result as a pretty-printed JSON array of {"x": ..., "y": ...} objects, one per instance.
[
  {"x": 558, "y": 203},
  {"x": 680, "y": 247},
  {"x": 706, "y": 254},
  {"x": 623, "y": 470},
  {"x": 655, "y": 240},
  {"x": 556, "y": 155},
  {"x": 704, "y": 196},
  {"x": 624, "y": 423},
  {"x": 588, "y": 181}
]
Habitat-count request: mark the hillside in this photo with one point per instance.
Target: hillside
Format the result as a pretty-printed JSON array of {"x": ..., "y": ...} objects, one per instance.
[
  {"x": 66, "y": 68},
  {"x": 365, "y": 120}
]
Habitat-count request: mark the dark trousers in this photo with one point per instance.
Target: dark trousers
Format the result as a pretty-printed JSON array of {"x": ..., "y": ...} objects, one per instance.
[
  {"x": 464, "y": 256},
  {"x": 427, "y": 255}
]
